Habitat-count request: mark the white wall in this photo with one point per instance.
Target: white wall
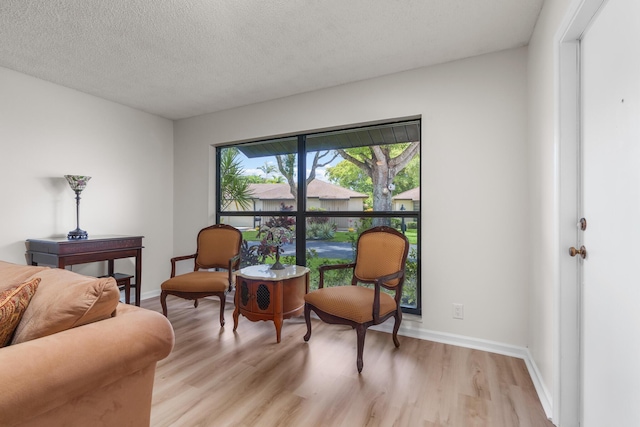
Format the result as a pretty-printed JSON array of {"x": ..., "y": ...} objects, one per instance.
[
  {"x": 47, "y": 131},
  {"x": 474, "y": 182}
]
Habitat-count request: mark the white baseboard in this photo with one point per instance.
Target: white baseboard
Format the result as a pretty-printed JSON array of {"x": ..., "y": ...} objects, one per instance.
[
  {"x": 412, "y": 329},
  {"x": 150, "y": 294}
]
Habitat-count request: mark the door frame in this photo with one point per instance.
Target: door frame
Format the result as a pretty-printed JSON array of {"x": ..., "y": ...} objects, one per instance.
[{"x": 567, "y": 408}]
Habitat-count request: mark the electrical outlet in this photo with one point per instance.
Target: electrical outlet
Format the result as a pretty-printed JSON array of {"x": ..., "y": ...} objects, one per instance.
[{"x": 458, "y": 311}]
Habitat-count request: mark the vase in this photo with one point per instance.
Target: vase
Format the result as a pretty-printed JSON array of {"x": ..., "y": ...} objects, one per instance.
[{"x": 276, "y": 265}]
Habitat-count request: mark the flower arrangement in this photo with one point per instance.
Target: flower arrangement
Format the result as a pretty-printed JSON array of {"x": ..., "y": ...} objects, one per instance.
[
  {"x": 274, "y": 238},
  {"x": 278, "y": 236},
  {"x": 258, "y": 254}
]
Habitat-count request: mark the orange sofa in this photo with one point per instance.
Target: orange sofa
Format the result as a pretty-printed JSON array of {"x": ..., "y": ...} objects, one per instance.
[{"x": 78, "y": 356}]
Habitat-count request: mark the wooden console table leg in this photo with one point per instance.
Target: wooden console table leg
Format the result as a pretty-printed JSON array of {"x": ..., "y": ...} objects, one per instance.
[
  {"x": 138, "y": 276},
  {"x": 127, "y": 292}
]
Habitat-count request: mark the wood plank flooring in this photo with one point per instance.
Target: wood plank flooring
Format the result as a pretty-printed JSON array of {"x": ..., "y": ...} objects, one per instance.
[{"x": 215, "y": 377}]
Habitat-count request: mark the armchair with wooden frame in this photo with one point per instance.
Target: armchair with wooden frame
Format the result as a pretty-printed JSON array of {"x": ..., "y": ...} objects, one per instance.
[
  {"x": 218, "y": 247},
  {"x": 381, "y": 254}
]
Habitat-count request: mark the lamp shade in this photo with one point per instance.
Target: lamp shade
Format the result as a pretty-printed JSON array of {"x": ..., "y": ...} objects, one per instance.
[{"x": 77, "y": 182}]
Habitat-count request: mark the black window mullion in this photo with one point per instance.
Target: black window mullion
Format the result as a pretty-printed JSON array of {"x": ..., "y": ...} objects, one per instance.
[
  {"x": 218, "y": 184},
  {"x": 301, "y": 256}
]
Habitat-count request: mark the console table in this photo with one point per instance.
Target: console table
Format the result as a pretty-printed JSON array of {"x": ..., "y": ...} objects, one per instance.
[
  {"x": 60, "y": 252},
  {"x": 265, "y": 294}
]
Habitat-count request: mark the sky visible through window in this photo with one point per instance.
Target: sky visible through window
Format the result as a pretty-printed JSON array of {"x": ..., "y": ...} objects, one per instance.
[{"x": 251, "y": 166}]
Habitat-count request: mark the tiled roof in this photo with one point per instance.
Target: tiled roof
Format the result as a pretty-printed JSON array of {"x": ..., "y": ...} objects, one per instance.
[
  {"x": 316, "y": 189},
  {"x": 413, "y": 194}
]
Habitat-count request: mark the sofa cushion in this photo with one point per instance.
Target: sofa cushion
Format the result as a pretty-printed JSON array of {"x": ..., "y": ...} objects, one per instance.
[
  {"x": 65, "y": 300},
  {"x": 12, "y": 275},
  {"x": 13, "y": 303}
]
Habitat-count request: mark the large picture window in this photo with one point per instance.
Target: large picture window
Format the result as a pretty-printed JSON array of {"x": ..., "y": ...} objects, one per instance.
[{"x": 325, "y": 188}]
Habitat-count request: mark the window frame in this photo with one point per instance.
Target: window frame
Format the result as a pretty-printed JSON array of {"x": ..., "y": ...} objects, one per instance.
[{"x": 301, "y": 214}]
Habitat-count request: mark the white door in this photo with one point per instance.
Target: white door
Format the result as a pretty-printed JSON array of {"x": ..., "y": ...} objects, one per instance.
[{"x": 611, "y": 205}]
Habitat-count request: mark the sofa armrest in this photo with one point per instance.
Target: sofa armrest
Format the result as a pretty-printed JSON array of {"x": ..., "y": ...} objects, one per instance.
[{"x": 45, "y": 373}]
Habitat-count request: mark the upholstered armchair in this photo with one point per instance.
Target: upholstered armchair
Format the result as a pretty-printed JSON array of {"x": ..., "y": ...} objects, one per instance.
[
  {"x": 218, "y": 247},
  {"x": 381, "y": 255}
]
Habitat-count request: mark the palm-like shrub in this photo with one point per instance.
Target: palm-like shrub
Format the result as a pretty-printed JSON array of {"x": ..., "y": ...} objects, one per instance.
[{"x": 321, "y": 231}]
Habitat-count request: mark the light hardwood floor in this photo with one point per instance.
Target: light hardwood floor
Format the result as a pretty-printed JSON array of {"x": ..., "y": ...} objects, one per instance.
[{"x": 215, "y": 377}]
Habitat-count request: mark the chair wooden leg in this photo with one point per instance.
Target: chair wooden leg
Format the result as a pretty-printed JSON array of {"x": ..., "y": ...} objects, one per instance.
[
  {"x": 163, "y": 302},
  {"x": 307, "y": 318},
  {"x": 223, "y": 299},
  {"x": 361, "y": 331},
  {"x": 195, "y": 303},
  {"x": 396, "y": 326}
]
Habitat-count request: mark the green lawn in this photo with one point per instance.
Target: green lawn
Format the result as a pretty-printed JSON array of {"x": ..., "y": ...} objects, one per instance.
[
  {"x": 342, "y": 236},
  {"x": 412, "y": 235},
  {"x": 249, "y": 235}
]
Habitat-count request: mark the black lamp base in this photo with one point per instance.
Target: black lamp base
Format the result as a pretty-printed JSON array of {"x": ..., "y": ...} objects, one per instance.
[{"x": 77, "y": 234}]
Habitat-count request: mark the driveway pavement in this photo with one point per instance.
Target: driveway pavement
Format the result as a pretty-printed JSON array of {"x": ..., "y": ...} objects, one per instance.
[{"x": 323, "y": 249}]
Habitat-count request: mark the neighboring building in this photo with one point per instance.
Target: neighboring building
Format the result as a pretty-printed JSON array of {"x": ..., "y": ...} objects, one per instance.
[
  {"x": 410, "y": 199},
  {"x": 320, "y": 194}
]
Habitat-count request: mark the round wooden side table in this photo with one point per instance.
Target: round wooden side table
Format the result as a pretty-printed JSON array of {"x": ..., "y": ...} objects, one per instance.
[{"x": 265, "y": 294}]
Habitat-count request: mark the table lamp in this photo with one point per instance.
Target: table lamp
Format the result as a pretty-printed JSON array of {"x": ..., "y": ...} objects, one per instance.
[{"x": 77, "y": 184}]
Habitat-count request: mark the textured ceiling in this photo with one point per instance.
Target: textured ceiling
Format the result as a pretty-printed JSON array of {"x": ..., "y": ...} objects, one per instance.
[{"x": 183, "y": 58}]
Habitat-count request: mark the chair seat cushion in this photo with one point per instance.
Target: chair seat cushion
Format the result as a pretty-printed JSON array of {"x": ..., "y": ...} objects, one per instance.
[
  {"x": 198, "y": 281},
  {"x": 350, "y": 302}
]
